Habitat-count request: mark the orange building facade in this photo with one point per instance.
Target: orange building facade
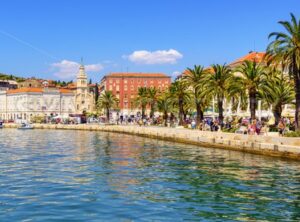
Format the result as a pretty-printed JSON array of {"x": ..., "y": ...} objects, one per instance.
[{"x": 125, "y": 86}]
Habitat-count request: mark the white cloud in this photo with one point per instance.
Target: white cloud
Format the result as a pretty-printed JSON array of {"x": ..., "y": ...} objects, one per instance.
[
  {"x": 156, "y": 57},
  {"x": 66, "y": 69},
  {"x": 176, "y": 73}
]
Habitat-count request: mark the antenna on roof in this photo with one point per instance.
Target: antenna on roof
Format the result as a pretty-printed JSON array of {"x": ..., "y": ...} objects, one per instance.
[
  {"x": 81, "y": 61},
  {"x": 127, "y": 69}
]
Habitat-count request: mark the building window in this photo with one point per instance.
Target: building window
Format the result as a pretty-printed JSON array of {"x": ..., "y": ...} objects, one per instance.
[
  {"x": 110, "y": 81},
  {"x": 125, "y": 88},
  {"x": 110, "y": 88},
  {"x": 125, "y": 81},
  {"x": 125, "y": 96},
  {"x": 118, "y": 88},
  {"x": 131, "y": 87},
  {"x": 117, "y": 81}
]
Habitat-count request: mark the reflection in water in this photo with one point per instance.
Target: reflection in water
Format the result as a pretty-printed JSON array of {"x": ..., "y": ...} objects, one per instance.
[{"x": 86, "y": 176}]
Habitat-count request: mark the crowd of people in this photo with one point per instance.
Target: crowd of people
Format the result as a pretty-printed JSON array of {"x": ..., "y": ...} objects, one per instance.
[
  {"x": 234, "y": 124},
  {"x": 230, "y": 124}
]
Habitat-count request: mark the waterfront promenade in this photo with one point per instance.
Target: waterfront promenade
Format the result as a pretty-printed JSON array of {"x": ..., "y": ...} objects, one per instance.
[{"x": 266, "y": 145}]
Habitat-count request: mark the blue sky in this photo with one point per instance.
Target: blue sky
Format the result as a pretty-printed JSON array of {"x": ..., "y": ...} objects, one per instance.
[{"x": 47, "y": 38}]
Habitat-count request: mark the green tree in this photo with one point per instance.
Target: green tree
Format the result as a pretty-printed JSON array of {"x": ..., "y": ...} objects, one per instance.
[
  {"x": 142, "y": 99},
  {"x": 277, "y": 91},
  {"x": 107, "y": 101},
  {"x": 285, "y": 50},
  {"x": 196, "y": 79},
  {"x": 251, "y": 79},
  {"x": 153, "y": 95},
  {"x": 218, "y": 83},
  {"x": 165, "y": 105},
  {"x": 179, "y": 91}
]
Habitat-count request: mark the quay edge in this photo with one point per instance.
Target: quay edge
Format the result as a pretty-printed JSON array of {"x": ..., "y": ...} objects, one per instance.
[{"x": 264, "y": 145}]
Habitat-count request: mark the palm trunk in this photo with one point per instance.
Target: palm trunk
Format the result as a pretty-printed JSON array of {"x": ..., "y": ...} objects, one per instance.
[
  {"x": 181, "y": 111},
  {"x": 107, "y": 114},
  {"x": 277, "y": 110},
  {"x": 165, "y": 118},
  {"x": 199, "y": 117},
  {"x": 252, "y": 97},
  {"x": 152, "y": 110},
  {"x": 143, "y": 111},
  {"x": 220, "y": 108},
  {"x": 297, "y": 92}
]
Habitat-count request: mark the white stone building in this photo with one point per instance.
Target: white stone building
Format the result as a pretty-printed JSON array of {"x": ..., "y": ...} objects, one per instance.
[{"x": 25, "y": 103}]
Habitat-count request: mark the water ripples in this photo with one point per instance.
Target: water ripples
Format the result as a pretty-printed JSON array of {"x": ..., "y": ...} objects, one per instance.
[{"x": 90, "y": 176}]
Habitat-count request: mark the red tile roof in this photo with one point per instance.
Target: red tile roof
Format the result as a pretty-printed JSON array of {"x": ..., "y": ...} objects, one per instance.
[
  {"x": 65, "y": 91},
  {"x": 34, "y": 90},
  {"x": 24, "y": 90},
  {"x": 252, "y": 56},
  {"x": 136, "y": 74}
]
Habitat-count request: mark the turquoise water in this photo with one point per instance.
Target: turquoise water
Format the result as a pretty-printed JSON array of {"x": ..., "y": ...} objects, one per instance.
[{"x": 94, "y": 176}]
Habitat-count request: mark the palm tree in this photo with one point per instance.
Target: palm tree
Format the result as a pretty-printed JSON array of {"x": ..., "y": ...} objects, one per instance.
[
  {"x": 218, "y": 83},
  {"x": 179, "y": 91},
  {"x": 142, "y": 99},
  {"x": 164, "y": 105},
  {"x": 285, "y": 50},
  {"x": 278, "y": 91},
  {"x": 107, "y": 101},
  {"x": 153, "y": 95},
  {"x": 251, "y": 80},
  {"x": 195, "y": 78}
]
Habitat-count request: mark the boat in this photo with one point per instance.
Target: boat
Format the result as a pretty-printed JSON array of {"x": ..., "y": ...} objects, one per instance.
[{"x": 25, "y": 126}]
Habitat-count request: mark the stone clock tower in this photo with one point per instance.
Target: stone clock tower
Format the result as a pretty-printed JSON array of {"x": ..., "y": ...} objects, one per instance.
[{"x": 84, "y": 99}]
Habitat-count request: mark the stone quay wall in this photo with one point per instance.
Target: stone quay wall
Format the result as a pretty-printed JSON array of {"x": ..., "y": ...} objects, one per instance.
[{"x": 265, "y": 145}]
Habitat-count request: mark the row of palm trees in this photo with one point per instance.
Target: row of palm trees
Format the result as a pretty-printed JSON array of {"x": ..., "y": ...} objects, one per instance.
[{"x": 275, "y": 82}]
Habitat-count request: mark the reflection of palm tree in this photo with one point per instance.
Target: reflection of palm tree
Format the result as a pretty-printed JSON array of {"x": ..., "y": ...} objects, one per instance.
[{"x": 285, "y": 50}]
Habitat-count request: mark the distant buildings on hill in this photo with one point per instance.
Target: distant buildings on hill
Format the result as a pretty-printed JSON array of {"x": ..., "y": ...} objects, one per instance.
[{"x": 34, "y": 97}]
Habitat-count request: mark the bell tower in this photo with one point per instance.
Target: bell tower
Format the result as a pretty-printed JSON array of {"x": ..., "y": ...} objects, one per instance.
[
  {"x": 82, "y": 97},
  {"x": 81, "y": 77}
]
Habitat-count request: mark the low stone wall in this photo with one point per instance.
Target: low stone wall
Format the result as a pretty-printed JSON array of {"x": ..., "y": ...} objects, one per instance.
[{"x": 266, "y": 145}]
